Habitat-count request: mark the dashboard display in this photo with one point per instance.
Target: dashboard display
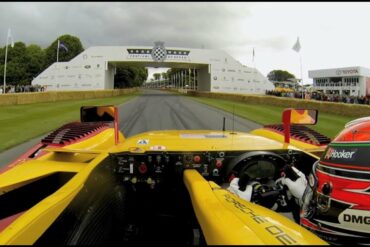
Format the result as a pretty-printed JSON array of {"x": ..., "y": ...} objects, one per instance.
[
  {"x": 261, "y": 169},
  {"x": 167, "y": 166}
]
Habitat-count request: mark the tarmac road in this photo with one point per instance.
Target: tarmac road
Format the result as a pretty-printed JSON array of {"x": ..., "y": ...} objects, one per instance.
[{"x": 158, "y": 110}]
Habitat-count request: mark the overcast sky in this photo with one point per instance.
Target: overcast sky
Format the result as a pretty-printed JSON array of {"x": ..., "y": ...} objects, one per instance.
[{"x": 331, "y": 34}]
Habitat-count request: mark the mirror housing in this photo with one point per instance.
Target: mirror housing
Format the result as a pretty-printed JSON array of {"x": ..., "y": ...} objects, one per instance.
[
  {"x": 298, "y": 117},
  {"x": 97, "y": 114},
  {"x": 107, "y": 114}
]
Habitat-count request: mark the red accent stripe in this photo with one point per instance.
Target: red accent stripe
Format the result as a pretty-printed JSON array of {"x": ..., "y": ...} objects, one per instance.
[
  {"x": 294, "y": 138},
  {"x": 4, "y": 223},
  {"x": 346, "y": 166},
  {"x": 116, "y": 130},
  {"x": 26, "y": 155},
  {"x": 79, "y": 132},
  {"x": 309, "y": 224},
  {"x": 22, "y": 158},
  {"x": 286, "y": 123},
  {"x": 88, "y": 136},
  {"x": 341, "y": 187}
]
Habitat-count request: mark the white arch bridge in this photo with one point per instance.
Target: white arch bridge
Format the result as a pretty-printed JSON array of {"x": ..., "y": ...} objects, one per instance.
[{"x": 203, "y": 69}]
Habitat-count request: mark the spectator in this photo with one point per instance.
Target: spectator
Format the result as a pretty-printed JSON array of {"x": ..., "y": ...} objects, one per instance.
[{"x": 323, "y": 97}]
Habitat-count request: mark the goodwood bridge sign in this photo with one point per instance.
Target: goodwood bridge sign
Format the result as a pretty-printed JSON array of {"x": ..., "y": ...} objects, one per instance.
[{"x": 158, "y": 53}]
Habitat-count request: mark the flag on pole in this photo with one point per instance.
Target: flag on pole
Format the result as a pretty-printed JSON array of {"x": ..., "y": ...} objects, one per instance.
[
  {"x": 10, "y": 37},
  {"x": 62, "y": 45},
  {"x": 297, "y": 46}
]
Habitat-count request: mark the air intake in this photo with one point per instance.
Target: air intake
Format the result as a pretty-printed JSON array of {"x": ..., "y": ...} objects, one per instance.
[
  {"x": 301, "y": 133},
  {"x": 72, "y": 132}
]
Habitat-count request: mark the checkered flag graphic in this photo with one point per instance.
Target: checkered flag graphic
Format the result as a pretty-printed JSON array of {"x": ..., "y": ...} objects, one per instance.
[{"x": 159, "y": 53}]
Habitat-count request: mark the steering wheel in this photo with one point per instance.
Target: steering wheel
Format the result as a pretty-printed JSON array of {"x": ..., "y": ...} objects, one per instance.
[{"x": 259, "y": 169}]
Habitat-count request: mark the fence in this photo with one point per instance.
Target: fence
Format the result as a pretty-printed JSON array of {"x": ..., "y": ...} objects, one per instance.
[
  {"x": 351, "y": 110},
  {"x": 40, "y": 97}
]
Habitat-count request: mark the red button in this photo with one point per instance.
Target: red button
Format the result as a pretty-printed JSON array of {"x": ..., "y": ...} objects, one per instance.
[
  {"x": 196, "y": 158},
  {"x": 218, "y": 163},
  {"x": 143, "y": 168}
]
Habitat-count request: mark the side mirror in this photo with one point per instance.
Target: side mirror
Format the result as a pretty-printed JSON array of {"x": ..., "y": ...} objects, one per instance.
[
  {"x": 97, "y": 114},
  {"x": 298, "y": 117},
  {"x": 108, "y": 114},
  {"x": 301, "y": 116}
]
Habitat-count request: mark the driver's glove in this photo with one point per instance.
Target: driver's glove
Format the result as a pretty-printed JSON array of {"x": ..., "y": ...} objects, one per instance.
[
  {"x": 234, "y": 188},
  {"x": 297, "y": 187}
]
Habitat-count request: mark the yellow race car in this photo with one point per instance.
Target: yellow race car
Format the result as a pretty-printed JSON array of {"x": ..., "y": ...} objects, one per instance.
[{"x": 86, "y": 184}]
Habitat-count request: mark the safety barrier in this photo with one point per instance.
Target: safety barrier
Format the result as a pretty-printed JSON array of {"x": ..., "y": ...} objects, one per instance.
[
  {"x": 351, "y": 110},
  {"x": 40, "y": 97}
]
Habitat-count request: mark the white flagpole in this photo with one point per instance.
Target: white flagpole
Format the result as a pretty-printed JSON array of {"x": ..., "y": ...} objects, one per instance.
[
  {"x": 254, "y": 62},
  {"x": 58, "y": 51},
  {"x": 253, "y": 55},
  {"x": 297, "y": 48},
  {"x": 189, "y": 81},
  {"x": 6, "y": 58},
  {"x": 300, "y": 60},
  {"x": 254, "y": 69}
]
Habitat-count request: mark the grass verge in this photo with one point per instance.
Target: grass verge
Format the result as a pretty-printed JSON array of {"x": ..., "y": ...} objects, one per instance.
[
  {"x": 327, "y": 124},
  {"x": 20, "y": 123}
]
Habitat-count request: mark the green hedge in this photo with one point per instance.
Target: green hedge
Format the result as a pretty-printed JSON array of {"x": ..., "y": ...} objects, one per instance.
[
  {"x": 40, "y": 97},
  {"x": 351, "y": 110}
]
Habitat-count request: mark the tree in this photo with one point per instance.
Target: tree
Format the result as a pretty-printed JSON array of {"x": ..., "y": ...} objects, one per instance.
[
  {"x": 141, "y": 74},
  {"x": 23, "y": 63},
  {"x": 130, "y": 76},
  {"x": 36, "y": 61},
  {"x": 17, "y": 62},
  {"x": 157, "y": 76},
  {"x": 164, "y": 75},
  {"x": 26, "y": 62},
  {"x": 71, "y": 42},
  {"x": 123, "y": 78},
  {"x": 279, "y": 75}
]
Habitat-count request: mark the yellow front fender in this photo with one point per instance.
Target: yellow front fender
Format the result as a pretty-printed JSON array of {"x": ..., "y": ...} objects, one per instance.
[{"x": 226, "y": 219}]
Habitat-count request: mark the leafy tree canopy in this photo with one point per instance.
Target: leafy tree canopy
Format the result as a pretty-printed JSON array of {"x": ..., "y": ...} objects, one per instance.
[
  {"x": 73, "y": 45},
  {"x": 24, "y": 63},
  {"x": 157, "y": 76},
  {"x": 279, "y": 75},
  {"x": 130, "y": 76}
]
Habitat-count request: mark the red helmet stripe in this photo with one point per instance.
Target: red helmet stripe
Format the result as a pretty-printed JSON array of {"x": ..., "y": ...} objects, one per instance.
[
  {"x": 343, "y": 190},
  {"x": 346, "y": 166}
]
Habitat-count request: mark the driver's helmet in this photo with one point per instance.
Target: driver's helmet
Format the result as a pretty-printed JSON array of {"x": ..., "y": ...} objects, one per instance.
[{"x": 336, "y": 204}]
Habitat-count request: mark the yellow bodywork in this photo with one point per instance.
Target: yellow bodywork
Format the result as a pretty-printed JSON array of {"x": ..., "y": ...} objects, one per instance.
[
  {"x": 34, "y": 222},
  {"x": 198, "y": 140},
  {"x": 224, "y": 218},
  {"x": 228, "y": 220}
]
